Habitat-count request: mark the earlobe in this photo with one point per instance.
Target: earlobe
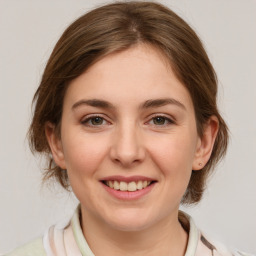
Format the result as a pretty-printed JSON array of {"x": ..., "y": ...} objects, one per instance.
[
  {"x": 206, "y": 143},
  {"x": 55, "y": 144}
]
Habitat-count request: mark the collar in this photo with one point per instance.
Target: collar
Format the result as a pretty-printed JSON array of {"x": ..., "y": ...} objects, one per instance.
[{"x": 186, "y": 221}]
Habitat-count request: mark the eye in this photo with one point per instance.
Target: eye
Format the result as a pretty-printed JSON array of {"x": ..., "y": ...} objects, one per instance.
[
  {"x": 161, "y": 121},
  {"x": 94, "y": 121}
]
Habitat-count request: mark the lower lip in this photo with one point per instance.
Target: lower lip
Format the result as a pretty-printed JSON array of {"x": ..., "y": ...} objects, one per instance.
[{"x": 129, "y": 195}]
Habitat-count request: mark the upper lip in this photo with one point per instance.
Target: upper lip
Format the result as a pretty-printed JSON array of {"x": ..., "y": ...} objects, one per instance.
[{"x": 127, "y": 179}]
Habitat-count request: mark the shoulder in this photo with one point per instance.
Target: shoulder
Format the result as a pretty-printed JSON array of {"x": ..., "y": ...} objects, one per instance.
[
  {"x": 200, "y": 245},
  {"x": 33, "y": 248},
  {"x": 216, "y": 248}
]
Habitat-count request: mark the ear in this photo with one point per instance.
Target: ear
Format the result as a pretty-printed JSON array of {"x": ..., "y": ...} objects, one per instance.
[
  {"x": 55, "y": 144},
  {"x": 205, "y": 143}
]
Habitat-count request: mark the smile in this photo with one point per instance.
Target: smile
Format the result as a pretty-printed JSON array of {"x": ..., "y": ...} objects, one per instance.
[{"x": 127, "y": 186}]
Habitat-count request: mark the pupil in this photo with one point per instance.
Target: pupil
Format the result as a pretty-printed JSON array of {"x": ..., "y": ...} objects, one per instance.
[
  {"x": 159, "y": 120},
  {"x": 97, "y": 120}
]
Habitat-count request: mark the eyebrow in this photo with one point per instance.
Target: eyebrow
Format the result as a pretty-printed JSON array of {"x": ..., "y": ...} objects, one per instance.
[
  {"x": 94, "y": 103},
  {"x": 162, "y": 102},
  {"x": 152, "y": 103}
]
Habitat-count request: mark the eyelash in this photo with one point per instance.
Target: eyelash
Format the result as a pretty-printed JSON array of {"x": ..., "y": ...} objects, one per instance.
[
  {"x": 90, "y": 118},
  {"x": 166, "y": 119}
]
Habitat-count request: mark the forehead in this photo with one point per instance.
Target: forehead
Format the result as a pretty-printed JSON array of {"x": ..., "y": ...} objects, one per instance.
[{"x": 136, "y": 74}]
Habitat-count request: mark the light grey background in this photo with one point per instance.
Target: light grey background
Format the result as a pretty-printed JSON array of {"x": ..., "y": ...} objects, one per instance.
[{"x": 28, "y": 32}]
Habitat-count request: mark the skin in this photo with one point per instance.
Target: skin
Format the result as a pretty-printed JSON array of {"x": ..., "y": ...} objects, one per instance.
[{"x": 127, "y": 139}]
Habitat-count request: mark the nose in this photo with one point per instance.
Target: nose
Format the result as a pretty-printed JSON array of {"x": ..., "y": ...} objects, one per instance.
[{"x": 127, "y": 146}]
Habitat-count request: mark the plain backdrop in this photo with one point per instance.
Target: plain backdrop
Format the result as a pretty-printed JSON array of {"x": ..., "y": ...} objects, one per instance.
[{"x": 29, "y": 30}]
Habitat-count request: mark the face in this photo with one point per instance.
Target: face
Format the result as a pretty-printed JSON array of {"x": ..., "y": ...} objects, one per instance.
[{"x": 128, "y": 140}]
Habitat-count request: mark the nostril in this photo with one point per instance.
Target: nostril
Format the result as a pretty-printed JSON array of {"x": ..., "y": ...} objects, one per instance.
[{"x": 127, "y": 149}]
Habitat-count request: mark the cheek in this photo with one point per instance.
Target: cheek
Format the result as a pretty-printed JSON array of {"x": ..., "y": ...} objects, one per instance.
[
  {"x": 83, "y": 154},
  {"x": 174, "y": 155},
  {"x": 173, "y": 159}
]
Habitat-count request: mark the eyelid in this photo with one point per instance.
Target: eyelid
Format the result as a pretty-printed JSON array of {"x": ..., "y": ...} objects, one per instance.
[
  {"x": 171, "y": 120},
  {"x": 84, "y": 121},
  {"x": 87, "y": 118}
]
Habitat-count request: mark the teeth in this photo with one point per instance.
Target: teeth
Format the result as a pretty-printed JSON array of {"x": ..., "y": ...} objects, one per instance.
[
  {"x": 116, "y": 185},
  {"x": 131, "y": 186},
  {"x": 139, "y": 185},
  {"x": 144, "y": 184},
  {"x": 123, "y": 186},
  {"x": 111, "y": 184}
]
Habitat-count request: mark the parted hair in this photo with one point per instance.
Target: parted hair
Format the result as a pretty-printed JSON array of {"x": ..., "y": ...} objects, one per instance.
[{"x": 113, "y": 28}]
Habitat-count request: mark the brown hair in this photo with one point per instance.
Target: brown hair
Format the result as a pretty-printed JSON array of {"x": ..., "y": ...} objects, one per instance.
[{"x": 116, "y": 27}]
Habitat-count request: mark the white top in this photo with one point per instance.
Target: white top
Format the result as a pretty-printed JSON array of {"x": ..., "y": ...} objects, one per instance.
[{"x": 69, "y": 240}]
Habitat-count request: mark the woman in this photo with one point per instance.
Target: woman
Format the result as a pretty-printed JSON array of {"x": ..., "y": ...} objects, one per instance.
[{"x": 126, "y": 113}]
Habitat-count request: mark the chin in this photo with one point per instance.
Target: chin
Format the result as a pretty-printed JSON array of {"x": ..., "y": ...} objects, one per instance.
[
  {"x": 130, "y": 226},
  {"x": 130, "y": 221}
]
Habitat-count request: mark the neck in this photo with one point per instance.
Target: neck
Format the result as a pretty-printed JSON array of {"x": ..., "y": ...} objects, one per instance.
[{"x": 165, "y": 238}]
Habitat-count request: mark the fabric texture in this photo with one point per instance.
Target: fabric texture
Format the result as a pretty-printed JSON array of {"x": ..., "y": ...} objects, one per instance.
[
  {"x": 70, "y": 241},
  {"x": 33, "y": 248}
]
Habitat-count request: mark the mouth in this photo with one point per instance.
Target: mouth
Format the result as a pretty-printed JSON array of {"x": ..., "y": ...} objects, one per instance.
[
  {"x": 128, "y": 188},
  {"x": 131, "y": 186}
]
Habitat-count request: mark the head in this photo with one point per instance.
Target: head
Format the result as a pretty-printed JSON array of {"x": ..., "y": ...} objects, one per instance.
[{"x": 115, "y": 28}]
